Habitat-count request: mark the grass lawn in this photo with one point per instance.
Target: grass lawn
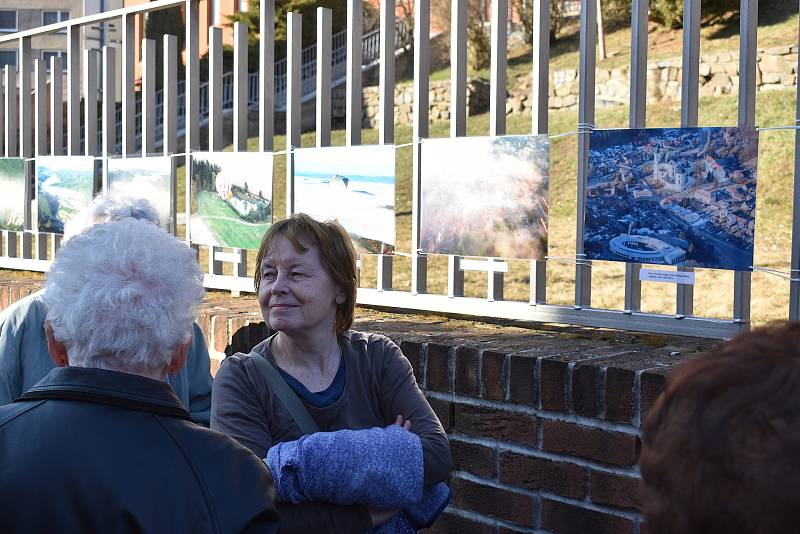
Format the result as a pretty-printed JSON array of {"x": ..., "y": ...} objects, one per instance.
[
  {"x": 777, "y": 26},
  {"x": 713, "y": 290}
]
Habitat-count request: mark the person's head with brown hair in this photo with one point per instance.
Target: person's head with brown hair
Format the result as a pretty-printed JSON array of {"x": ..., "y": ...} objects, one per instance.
[
  {"x": 721, "y": 447},
  {"x": 321, "y": 245}
]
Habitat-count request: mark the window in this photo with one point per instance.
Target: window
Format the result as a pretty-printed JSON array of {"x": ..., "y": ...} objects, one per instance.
[
  {"x": 47, "y": 54},
  {"x": 8, "y": 20},
  {"x": 52, "y": 17},
  {"x": 8, "y": 57}
]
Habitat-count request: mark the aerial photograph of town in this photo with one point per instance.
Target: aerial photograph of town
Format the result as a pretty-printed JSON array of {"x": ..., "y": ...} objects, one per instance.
[{"x": 672, "y": 196}]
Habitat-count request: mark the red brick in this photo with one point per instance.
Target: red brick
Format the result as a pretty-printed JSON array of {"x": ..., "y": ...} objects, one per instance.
[
  {"x": 619, "y": 394},
  {"x": 448, "y": 523},
  {"x": 585, "y": 390},
  {"x": 466, "y": 379},
  {"x": 614, "y": 490},
  {"x": 552, "y": 377},
  {"x": 591, "y": 443},
  {"x": 5, "y": 300},
  {"x": 220, "y": 330},
  {"x": 493, "y": 375},
  {"x": 413, "y": 351},
  {"x": 495, "y": 424},
  {"x": 652, "y": 384},
  {"x": 204, "y": 322},
  {"x": 240, "y": 336},
  {"x": 476, "y": 459},
  {"x": 534, "y": 473},
  {"x": 438, "y": 372},
  {"x": 494, "y": 502},
  {"x": 568, "y": 519},
  {"x": 444, "y": 411},
  {"x": 522, "y": 387}
]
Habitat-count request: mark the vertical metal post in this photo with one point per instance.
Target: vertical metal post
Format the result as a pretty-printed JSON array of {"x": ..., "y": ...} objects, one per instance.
[
  {"x": 240, "y": 109},
  {"x": 90, "y": 102},
  {"x": 109, "y": 110},
  {"x": 748, "y": 30},
  {"x": 497, "y": 106},
  {"x": 170, "y": 120},
  {"x": 637, "y": 119},
  {"x": 148, "y": 97},
  {"x": 266, "y": 76},
  {"x": 25, "y": 112},
  {"x": 128, "y": 93},
  {"x": 294, "y": 32},
  {"x": 10, "y": 76},
  {"x": 73, "y": 90},
  {"x": 386, "y": 74},
  {"x": 323, "y": 104},
  {"x": 215, "y": 89},
  {"x": 40, "y": 107},
  {"x": 588, "y": 45},
  {"x": 40, "y": 148},
  {"x": 422, "y": 43},
  {"x": 497, "y": 96},
  {"x": 794, "y": 285},
  {"x": 540, "y": 83},
  {"x": 239, "y": 87},
  {"x": 353, "y": 85},
  {"x": 458, "y": 68},
  {"x": 26, "y": 130},
  {"x": 386, "y": 114},
  {"x": 192, "y": 82},
  {"x": 11, "y": 111},
  {"x": 2, "y": 113},
  {"x": 170, "y": 100},
  {"x": 690, "y": 79},
  {"x": 215, "y": 142},
  {"x": 56, "y": 107},
  {"x": 458, "y": 114}
]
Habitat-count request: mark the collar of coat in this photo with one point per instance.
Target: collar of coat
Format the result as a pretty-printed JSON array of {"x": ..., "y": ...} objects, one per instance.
[{"x": 112, "y": 388}]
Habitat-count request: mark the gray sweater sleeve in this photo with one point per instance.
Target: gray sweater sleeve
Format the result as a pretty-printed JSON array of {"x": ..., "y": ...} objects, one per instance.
[{"x": 400, "y": 395}]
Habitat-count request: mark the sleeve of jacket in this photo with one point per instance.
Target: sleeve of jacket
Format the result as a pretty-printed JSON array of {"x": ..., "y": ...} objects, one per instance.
[
  {"x": 400, "y": 395},
  {"x": 12, "y": 330},
  {"x": 200, "y": 381}
]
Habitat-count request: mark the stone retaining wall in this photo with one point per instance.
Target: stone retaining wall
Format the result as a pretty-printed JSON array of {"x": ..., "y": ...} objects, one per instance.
[
  {"x": 719, "y": 75},
  {"x": 543, "y": 424}
]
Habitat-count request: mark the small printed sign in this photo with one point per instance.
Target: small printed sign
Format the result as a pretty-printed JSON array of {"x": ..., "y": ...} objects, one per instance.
[{"x": 669, "y": 277}]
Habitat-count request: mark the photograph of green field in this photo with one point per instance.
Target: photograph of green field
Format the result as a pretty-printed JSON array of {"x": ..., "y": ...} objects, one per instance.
[
  {"x": 231, "y": 198},
  {"x": 12, "y": 201}
]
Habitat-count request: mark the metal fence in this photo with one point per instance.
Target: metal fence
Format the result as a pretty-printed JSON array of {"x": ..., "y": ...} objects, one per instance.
[{"x": 28, "y": 126}]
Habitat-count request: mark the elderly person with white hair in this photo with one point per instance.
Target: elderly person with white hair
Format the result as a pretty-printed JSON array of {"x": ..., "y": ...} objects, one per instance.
[
  {"x": 24, "y": 358},
  {"x": 102, "y": 443}
]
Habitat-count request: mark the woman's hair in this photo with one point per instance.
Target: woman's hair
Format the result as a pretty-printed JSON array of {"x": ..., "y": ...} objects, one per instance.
[
  {"x": 105, "y": 209},
  {"x": 123, "y": 295},
  {"x": 336, "y": 254},
  {"x": 720, "y": 447}
]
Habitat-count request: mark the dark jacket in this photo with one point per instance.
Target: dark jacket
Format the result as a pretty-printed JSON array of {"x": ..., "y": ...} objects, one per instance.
[{"x": 90, "y": 450}]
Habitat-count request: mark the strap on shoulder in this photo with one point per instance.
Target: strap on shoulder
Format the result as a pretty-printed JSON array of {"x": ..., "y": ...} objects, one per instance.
[{"x": 287, "y": 396}]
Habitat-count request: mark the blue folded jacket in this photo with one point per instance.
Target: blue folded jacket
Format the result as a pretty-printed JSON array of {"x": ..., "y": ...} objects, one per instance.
[{"x": 379, "y": 468}]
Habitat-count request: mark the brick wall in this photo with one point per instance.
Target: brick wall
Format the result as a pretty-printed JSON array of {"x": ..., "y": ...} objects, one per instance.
[{"x": 543, "y": 423}]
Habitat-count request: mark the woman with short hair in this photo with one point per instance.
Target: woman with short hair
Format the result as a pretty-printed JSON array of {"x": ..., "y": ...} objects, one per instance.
[{"x": 306, "y": 281}]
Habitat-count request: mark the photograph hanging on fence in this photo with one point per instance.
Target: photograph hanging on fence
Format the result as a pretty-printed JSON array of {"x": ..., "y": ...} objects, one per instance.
[
  {"x": 149, "y": 178},
  {"x": 353, "y": 185},
  {"x": 65, "y": 186},
  {"x": 485, "y": 196},
  {"x": 672, "y": 196},
  {"x": 12, "y": 201},
  {"x": 231, "y": 198}
]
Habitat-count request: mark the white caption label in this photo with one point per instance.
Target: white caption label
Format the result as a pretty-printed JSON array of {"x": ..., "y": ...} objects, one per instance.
[{"x": 670, "y": 277}]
